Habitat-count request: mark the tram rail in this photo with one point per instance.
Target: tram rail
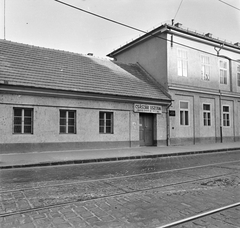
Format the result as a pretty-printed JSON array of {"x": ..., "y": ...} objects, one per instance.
[
  {"x": 200, "y": 215},
  {"x": 117, "y": 194}
]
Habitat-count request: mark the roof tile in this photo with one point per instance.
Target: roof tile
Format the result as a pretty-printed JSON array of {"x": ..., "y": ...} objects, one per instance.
[{"x": 27, "y": 65}]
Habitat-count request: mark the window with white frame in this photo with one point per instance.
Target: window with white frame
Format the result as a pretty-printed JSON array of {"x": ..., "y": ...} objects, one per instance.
[
  {"x": 223, "y": 72},
  {"x": 205, "y": 68},
  {"x": 226, "y": 116},
  {"x": 206, "y": 115},
  {"x": 184, "y": 113},
  {"x": 106, "y": 122},
  {"x": 238, "y": 75},
  {"x": 23, "y": 121},
  {"x": 182, "y": 62},
  {"x": 68, "y": 121}
]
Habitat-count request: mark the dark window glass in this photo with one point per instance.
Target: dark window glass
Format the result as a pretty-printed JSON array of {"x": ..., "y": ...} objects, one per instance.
[
  {"x": 106, "y": 122},
  {"x": 67, "y": 122},
  {"x": 22, "y": 121}
]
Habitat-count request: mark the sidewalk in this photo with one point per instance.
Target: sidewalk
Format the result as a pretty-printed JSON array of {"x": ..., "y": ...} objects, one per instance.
[{"x": 87, "y": 156}]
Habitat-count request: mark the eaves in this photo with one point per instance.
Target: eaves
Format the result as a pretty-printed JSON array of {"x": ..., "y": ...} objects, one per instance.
[{"x": 31, "y": 91}]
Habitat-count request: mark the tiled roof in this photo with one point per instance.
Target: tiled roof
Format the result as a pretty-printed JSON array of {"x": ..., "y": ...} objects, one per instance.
[{"x": 27, "y": 65}]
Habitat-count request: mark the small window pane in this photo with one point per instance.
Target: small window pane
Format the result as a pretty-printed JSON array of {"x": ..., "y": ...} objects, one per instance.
[
  {"x": 225, "y": 108},
  {"x": 181, "y": 118},
  {"x": 62, "y": 121},
  {"x": 108, "y": 122},
  {"x": 101, "y": 115},
  {"x": 101, "y": 129},
  {"x": 17, "y": 120},
  {"x": 63, "y": 114},
  {"x": 184, "y": 105},
  {"x": 108, "y": 130},
  {"x": 71, "y": 129},
  {"x": 27, "y": 129},
  {"x": 62, "y": 129},
  {"x": 206, "y": 107},
  {"x": 27, "y": 120},
  {"x": 17, "y": 112},
  {"x": 186, "y": 117},
  {"x": 27, "y": 112},
  {"x": 70, "y": 121},
  {"x": 70, "y": 114},
  {"x": 17, "y": 129}
]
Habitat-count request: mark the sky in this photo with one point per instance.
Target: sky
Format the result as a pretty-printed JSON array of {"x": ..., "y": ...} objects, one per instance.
[{"x": 47, "y": 23}]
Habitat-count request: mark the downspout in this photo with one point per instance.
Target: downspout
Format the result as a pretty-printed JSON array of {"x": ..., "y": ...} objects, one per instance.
[
  {"x": 220, "y": 111},
  {"x": 130, "y": 129},
  {"x": 168, "y": 124}
]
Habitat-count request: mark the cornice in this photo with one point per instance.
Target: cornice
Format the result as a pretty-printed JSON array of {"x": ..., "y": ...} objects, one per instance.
[
  {"x": 203, "y": 91},
  {"x": 22, "y": 90}
]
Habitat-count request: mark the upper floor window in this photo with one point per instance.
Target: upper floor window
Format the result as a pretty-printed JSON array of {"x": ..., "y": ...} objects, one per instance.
[
  {"x": 205, "y": 68},
  {"x": 226, "y": 116},
  {"x": 23, "y": 121},
  {"x": 68, "y": 121},
  {"x": 106, "y": 122},
  {"x": 206, "y": 115},
  {"x": 182, "y": 62},
  {"x": 238, "y": 75},
  {"x": 184, "y": 113},
  {"x": 223, "y": 71}
]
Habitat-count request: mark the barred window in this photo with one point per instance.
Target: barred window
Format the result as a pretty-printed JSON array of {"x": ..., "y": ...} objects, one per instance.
[
  {"x": 106, "y": 122},
  {"x": 23, "y": 121},
  {"x": 206, "y": 115},
  {"x": 68, "y": 121}
]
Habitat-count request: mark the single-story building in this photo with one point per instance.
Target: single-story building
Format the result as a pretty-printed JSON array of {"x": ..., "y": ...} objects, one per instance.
[{"x": 53, "y": 100}]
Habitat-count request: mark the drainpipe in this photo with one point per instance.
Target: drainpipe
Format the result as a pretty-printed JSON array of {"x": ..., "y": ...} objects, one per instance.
[
  {"x": 168, "y": 124},
  {"x": 220, "y": 111}
]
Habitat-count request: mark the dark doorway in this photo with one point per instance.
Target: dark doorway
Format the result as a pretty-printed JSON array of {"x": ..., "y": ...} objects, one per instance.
[{"x": 146, "y": 129}]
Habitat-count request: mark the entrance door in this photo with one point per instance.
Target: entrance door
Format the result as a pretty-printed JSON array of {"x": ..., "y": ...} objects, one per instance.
[{"x": 146, "y": 129}]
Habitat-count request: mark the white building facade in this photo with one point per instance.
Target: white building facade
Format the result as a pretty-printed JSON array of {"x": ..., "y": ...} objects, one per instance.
[{"x": 202, "y": 75}]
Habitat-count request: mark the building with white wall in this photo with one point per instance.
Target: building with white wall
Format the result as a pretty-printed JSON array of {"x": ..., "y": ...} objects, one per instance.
[
  {"x": 202, "y": 75},
  {"x": 54, "y": 100}
]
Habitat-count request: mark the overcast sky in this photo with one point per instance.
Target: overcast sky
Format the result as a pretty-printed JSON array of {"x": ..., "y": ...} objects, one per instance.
[{"x": 47, "y": 23}]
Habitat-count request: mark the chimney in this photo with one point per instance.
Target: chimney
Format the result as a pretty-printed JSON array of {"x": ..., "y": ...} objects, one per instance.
[
  {"x": 237, "y": 44},
  {"x": 208, "y": 35},
  {"x": 179, "y": 25}
]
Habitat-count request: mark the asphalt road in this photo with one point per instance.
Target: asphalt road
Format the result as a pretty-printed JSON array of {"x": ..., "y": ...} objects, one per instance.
[{"x": 136, "y": 193}]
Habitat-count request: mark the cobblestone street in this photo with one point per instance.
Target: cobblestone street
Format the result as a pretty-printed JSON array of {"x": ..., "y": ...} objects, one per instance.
[{"x": 137, "y": 193}]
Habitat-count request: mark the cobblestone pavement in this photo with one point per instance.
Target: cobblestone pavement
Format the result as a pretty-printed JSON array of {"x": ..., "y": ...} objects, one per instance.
[
  {"x": 99, "y": 195},
  {"x": 225, "y": 219}
]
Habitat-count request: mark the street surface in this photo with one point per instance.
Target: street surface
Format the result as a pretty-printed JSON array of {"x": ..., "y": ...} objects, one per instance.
[{"x": 135, "y": 193}]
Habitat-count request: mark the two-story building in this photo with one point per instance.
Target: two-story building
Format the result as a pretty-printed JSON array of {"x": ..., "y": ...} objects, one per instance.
[
  {"x": 53, "y": 100},
  {"x": 200, "y": 72}
]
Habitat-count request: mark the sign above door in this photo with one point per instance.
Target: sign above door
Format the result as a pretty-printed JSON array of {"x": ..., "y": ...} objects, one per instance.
[{"x": 147, "y": 108}]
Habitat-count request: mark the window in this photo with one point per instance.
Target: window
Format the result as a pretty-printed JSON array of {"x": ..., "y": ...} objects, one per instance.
[
  {"x": 23, "y": 121},
  {"x": 67, "y": 122},
  {"x": 106, "y": 122},
  {"x": 238, "y": 75},
  {"x": 206, "y": 115},
  {"x": 205, "y": 69},
  {"x": 226, "y": 120},
  {"x": 184, "y": 113},
  {"x": 182, "y": 63},
  {"x": 223, "y": 72}
]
